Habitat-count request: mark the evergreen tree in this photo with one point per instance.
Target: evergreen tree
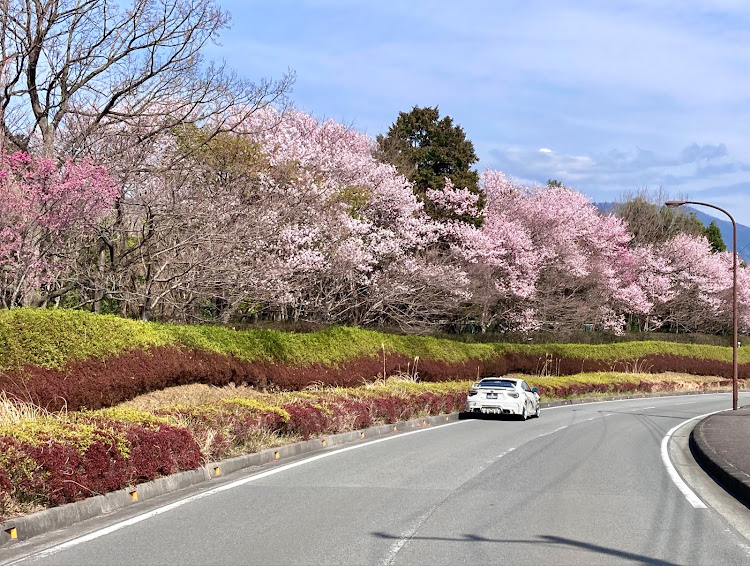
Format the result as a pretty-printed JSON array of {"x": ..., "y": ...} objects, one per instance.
[
  {"x": 426, "y": 150},
  {"x": 713, "y": 234}
]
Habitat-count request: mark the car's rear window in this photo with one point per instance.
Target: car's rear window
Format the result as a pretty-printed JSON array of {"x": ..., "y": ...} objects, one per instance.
[{"x": 496, "y": 383}]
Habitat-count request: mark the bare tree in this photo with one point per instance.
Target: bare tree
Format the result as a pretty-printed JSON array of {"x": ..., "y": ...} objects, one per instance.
[
  {"x": 650, "y": 222},
  {"x": 79, "y": 65}
]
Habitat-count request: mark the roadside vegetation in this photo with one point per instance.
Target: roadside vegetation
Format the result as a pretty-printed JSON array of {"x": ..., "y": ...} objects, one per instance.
[
  {"x": 65, "y": 359},
  {"x": 92, "y": 403}
]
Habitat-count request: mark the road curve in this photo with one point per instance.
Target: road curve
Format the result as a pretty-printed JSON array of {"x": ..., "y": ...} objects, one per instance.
[{"x": 584, "y": 484}]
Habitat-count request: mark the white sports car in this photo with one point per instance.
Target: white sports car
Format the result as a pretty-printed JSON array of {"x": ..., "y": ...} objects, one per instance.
[{"x": 503, "y": 395}]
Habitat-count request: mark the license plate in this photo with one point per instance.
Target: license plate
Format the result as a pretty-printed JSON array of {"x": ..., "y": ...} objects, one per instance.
[{"x": 491, "y": 395}]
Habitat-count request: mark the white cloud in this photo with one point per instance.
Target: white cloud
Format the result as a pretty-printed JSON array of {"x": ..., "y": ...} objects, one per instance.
[{"x": 665, "y": 80}]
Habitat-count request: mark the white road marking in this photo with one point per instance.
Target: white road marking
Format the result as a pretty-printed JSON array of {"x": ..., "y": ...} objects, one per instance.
[
  {"x": 508, "y": 451},
  {"x": 692, "y": 498},
  {"x": 153, "y": 513},
  {"x": 403, "y": 539},
  {"x": 553, "y": 432}
]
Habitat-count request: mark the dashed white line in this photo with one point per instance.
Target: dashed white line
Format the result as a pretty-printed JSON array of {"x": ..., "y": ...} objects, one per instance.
[
  {"x": 508, "y": 451},
  {"x": 403, "y": 539},
  {"x": 553, "y": 432}
]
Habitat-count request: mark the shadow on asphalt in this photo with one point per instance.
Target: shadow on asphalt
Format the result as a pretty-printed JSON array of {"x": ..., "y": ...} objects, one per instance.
[
  {"x": 546, "y": 539},
  {"x": 463, "y": 416}
]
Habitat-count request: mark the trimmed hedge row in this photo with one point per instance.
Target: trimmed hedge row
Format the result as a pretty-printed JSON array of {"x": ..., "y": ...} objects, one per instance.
[
  {"x": 52, "y": 338},
  {"x": 95, "y": 384},
  {"x": 72, "y": 359},
  {"x": 43, "y": 465}
]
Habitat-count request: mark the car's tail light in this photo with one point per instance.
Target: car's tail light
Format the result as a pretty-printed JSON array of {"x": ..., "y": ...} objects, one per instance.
[
  {"x": 514, "y": 395},
  {"x": 472, "y": 392}
]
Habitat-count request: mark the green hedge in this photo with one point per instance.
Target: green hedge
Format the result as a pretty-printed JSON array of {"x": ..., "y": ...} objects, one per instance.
[{"x": 51, "y": 337}]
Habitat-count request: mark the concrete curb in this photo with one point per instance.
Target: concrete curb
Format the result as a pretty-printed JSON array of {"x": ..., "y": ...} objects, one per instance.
[
  {"x": 55, "y": 518},
  {"x": 23, "y": 528},
  {"x": 726, "y": 474}
]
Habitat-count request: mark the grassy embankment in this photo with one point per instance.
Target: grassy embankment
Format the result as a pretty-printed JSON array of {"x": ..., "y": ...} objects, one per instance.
[{"x": 240, "y": 391}]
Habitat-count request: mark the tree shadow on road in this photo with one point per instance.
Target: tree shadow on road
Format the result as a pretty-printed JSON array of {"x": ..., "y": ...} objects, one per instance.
[{"x": 546, "y": 539}]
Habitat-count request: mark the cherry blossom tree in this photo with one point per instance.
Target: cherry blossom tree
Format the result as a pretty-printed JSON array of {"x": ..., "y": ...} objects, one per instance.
[
  {"x": 544, "y": 258},
  {"x": 700, "y": 285},
  {"x": 48, "y": 217},
  {"x": 374, "y": 245}
]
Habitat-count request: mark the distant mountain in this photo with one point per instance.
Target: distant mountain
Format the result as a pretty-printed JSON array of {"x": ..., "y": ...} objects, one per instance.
[
  {"x": 743, "y": 232},
  {"x": 725, "y": 226}
]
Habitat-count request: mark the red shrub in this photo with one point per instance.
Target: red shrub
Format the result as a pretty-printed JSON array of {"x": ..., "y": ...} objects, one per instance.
[
  {"x": 625, "y": 387},
  {"x": 306, "y": 419},
  {"x": 349, "y": 414},
  {"x": 599, "y": 387},
  {"x": 102, "y": 383},
  {"x": 160, "y": 452},
  {"x": 64, "y": 474},
  {"x": 391, "y": 409}
]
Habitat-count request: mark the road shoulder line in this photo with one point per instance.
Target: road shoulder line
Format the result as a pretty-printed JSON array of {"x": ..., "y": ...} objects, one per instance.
[{"x": 689, "y": 494}]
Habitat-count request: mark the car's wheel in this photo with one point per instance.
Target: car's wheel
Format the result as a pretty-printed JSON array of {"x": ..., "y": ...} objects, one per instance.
[
  {"x": 524, "y": 414},
  {"x": 538, "y": 411}
]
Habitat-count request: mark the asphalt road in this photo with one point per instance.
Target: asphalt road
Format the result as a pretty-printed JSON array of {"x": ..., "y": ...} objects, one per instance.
[{"x": 584, "y": 484}]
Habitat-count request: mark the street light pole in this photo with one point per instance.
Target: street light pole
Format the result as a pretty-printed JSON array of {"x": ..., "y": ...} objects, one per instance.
[{"x": 675, "y": 203}]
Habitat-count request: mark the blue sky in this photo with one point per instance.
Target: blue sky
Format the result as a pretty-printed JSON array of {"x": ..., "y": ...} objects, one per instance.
[{"x": 610, "y": 97}]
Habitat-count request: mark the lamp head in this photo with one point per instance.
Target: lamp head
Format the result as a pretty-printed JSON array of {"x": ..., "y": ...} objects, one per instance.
[{"x": 675, "y": 203}]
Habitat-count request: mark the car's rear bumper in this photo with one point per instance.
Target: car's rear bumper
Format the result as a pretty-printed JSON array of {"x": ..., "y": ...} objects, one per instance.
[{"x": 490, "y": 407}]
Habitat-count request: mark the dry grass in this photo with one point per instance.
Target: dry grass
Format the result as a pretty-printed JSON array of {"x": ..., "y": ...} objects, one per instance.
[
  {"x": 199, "y": 394},
  {"x": 260, "y": 440},
  {"x": 189, "y": 396},
  {"x": 687, "y": 382},
  {"x": 634, "y": 366},
  {"x": 14, "y": 411}
]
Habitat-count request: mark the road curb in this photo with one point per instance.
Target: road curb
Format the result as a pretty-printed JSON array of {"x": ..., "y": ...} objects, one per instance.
[
  {"x": 28, "y": 526},
  {"x": 726, "y": 473}
]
